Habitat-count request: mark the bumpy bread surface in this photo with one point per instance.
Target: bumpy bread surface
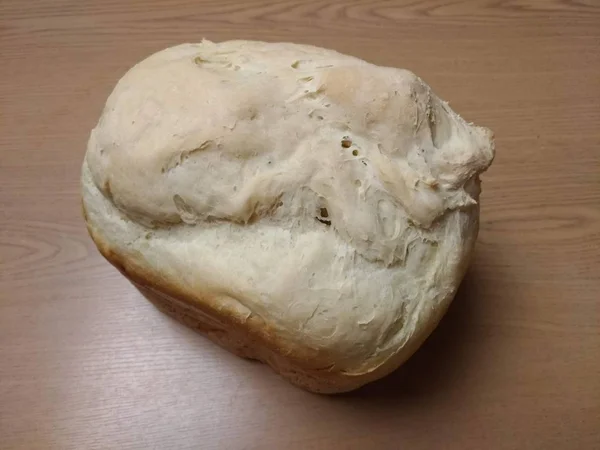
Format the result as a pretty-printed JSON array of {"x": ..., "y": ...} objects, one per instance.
[{"x": 299, "y": 206}]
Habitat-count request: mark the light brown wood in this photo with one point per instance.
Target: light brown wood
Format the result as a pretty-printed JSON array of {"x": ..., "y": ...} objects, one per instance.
[{"x": 87, "y": 363}]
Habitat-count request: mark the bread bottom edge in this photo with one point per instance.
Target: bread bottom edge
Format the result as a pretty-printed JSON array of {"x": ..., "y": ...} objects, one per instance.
[
  {"x": 245, "y": 341},
  {"x": 242, "y": 345}
]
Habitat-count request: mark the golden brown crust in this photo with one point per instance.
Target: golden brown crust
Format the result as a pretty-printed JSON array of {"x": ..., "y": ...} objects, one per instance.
[{"x": 249, "y": 337}]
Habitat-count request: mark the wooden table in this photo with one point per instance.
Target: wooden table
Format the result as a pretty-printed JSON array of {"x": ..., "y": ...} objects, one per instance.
[{"x": 87, "y": 363}]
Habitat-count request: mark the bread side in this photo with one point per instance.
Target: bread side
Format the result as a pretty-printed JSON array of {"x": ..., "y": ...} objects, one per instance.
[{"x": 325, "y": 232}]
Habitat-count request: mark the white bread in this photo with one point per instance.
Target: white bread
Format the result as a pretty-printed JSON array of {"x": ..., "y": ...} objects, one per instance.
[{"x": 299, "y": 206}]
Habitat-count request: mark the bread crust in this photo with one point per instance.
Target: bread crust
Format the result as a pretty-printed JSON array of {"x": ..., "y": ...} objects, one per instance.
[
  {"x": 298, "y": 206},
  {"x": 249, "y": 338}
]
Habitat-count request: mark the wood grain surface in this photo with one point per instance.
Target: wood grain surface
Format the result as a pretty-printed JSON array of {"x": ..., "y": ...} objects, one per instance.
[{"x": 87, "y": 363}]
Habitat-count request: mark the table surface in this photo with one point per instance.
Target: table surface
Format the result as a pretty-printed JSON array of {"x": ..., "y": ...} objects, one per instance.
[{"x": 86, "y": 362}]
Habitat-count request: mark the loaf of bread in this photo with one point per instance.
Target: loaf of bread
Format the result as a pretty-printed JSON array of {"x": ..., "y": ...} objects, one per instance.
[{"x": 297, "y": 206}]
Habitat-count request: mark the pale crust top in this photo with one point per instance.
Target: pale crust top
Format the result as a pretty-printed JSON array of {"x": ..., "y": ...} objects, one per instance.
[{"x": 333, "y": 198}]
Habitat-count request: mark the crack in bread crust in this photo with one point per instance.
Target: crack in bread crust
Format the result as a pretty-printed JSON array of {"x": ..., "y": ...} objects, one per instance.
[
  {"x": 317, "y": 217},
  {"x": 246, "y": 338}
]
